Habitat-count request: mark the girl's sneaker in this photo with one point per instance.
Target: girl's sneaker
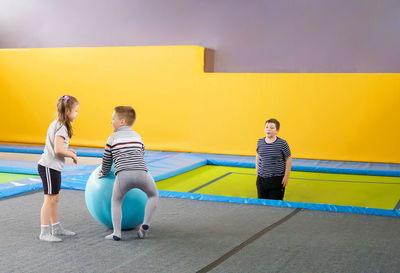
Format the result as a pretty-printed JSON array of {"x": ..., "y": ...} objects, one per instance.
[
  {"x": 63, "y": 231},
  {"x": 49, "y": 238}
]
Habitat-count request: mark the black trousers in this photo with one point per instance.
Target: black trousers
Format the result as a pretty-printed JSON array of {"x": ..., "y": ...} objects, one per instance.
[{"x": 270, "y": 188}]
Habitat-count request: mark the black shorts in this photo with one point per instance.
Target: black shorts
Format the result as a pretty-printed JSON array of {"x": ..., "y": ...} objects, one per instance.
[
  {"x": 51, "y": 179},
  {"x": 270, "y": 188}
]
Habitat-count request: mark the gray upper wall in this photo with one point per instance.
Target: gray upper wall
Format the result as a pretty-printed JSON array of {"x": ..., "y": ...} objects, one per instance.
[{"x": 246, "y": 35}]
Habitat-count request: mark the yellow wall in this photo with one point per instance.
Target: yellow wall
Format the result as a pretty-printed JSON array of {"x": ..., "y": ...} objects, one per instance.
[{"x": 351, "y": 117}]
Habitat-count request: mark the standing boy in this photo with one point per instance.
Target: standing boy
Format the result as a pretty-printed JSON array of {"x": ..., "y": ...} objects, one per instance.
[{"x": 273, "y": 163}]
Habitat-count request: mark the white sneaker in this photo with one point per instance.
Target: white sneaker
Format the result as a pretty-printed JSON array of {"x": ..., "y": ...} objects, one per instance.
[
  {"x": 63, "y": 231},
  {"x": 142, "y": 231},
  {"x": 49, "y": 238}
]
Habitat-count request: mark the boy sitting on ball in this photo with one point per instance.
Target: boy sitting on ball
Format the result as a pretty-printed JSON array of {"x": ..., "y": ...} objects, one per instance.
[{"x": 125, "y": 149}]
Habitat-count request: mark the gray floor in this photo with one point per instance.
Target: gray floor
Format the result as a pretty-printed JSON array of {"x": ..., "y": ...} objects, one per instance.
[{"x": 189, "y": 235}]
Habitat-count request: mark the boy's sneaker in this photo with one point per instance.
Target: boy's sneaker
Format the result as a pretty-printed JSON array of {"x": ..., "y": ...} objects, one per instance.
[
  {"x": 142, "y": 231},
  {"x": 112, "y": 237},
  {"x": 49, "y": 238},
  {"x": 63, "y": 231}
]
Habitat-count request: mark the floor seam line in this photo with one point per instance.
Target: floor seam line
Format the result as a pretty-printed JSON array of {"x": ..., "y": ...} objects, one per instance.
[{"x": 247, "y": 242}]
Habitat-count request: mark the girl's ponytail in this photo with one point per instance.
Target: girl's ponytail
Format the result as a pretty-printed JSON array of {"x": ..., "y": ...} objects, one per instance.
[{"x": 64, "y": 104}]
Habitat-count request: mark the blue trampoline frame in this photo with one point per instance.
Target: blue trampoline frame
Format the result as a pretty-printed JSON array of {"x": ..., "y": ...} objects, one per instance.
[{"x": 163, "y": 165}]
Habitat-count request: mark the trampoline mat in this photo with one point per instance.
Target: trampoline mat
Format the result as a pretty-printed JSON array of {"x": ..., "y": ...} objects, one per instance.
[
  {"x": 323, "y": 188},
  {"x": 8, "y": 177}
]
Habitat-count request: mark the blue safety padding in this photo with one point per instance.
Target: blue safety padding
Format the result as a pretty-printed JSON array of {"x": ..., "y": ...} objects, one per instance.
[
  {"x": 74, "y": 183},
  {"x": 279, "y": 203},
  {"x": 161, "y": 169},
  {"x": 160, "y": 161},
  {"x": 30, "y": 167},
  {"x": 167, "y": 165},
  {"x": 18, "y": 166},
  {"x": 26, "y": 149},
  {"x": 174, "y": 165},
  {"x": 161, "y": 165},
  {"x": 36, "y": 149},
  {"x": 228, "y": 160},
  {"x": 347, "y": 164},
  {"x": 20, "y": 186},
  {"x": 307, "y": 165},
  {"x": 346, "y": 171},
  {"x": 346, "y": 167},
  {"x": 80, "y": 151},
  {"x": 152, "y": 156},
  {"x": 75, "y": 177}
]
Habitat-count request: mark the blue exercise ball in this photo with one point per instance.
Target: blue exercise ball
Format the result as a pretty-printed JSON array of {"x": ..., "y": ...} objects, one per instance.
[{"x": 98, "y": 194}]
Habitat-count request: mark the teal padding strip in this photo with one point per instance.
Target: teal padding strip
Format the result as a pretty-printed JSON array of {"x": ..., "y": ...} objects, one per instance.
[
  {"x": 243, "y": 164},
  {"x": 18, "y": 170},
  {"x": 346, "y": 171},
  {"x": 22, "y": 149},
  {"x": 20, "y": 186},
  {"x": 89, "y": 154},
  {"x": 279, "y": 203},
  {"x": 228, "y": 160}
]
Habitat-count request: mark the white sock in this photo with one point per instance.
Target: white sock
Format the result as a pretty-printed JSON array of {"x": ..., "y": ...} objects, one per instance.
[
  {"x": 44, "y": 229},
  {"x": 56, "y": 226}
]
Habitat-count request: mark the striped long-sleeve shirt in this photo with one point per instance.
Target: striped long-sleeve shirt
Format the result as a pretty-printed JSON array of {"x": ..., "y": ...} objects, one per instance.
[{"x": 126, "y": 149}]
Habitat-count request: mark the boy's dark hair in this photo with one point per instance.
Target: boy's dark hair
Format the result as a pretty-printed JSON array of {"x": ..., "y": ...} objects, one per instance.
[
  {"x": 274, "y": 121},
  {"x": 127, "y": 113}
]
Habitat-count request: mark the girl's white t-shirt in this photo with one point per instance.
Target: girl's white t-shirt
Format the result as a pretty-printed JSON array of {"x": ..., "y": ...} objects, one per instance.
[{"x": 49, "y": 158}]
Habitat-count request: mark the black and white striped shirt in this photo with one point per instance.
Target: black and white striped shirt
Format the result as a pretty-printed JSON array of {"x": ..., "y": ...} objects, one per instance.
[
  {"x": 126, "y": 149},
  {"x": 272, "y": 157}
]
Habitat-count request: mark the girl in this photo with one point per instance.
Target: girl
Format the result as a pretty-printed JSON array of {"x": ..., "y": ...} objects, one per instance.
[{"x": 52, "y": 162}]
